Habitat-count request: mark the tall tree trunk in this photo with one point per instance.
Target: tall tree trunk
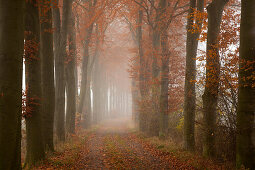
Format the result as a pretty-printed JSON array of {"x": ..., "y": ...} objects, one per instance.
[
  {"x": 87, "y": 121},
  {"x": 138, "y": 118},
  {"x": 91, "y": 62},
  {"x": 48, "y": 87},
  {"x": 56, "y": 40},
  {"x": 163, "y": 125},
  {"x": 210, "y": 96},
  {"x": 35, "y": 147},
  {"x": 70, "y": 78},
  {"x": 154, "y": 120},
  {"x": 96, "y": 88},
  {"x": 154, "y": 123},
  {"x": 60, "y": 71},
  {"x": 11, "y": 52},
  {"x": 143, "y": 92},
  {"x": 85, "y": 62},
  {"x": 245, "y": 154},
  {"x": 190, "y": 77}
]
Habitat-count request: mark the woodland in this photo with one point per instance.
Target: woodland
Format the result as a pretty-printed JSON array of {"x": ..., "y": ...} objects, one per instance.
[{"x": 127, "y": 84}]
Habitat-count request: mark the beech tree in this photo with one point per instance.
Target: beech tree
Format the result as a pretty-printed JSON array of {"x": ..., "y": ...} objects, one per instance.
[
  {"x": 245, "y": 153},
  {"x": 60, "y": 41},
  {"x": 109, "y": 58},
  {"x": 86, "y": 56},
  {"x": 210, "y": 96},
  {"x": 11, "y": 52},
  {"x": 48, "y": 87},
  {"x": 71, "y": 85},
  {"x": 142, "y": 78},
  {"x": 33, "y": 115},
  {"x": 190, "y": 78}
]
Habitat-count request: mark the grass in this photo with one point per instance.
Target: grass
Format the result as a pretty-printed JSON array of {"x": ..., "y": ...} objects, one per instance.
[{"x": 194, "y": 159}]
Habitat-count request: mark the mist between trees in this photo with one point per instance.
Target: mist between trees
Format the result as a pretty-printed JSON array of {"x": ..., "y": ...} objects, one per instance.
[{"x": 181, "y": 70}]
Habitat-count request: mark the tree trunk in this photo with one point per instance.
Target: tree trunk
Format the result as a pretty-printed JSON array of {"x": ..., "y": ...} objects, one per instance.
[
  {"x": 245, "y": 153},
  {"x": 87, "y": 121},
  {"x": 85, "y": 62},
  {"x": 48, "y": 88},
  {"x": 142, "y": 89},
  {"x": 210, "y": 96},
  {"x": 96, "y": 88},
  {"x": 56, "y": 40},
  {"x": 70, "y": 78},
  {"x": 190, "y": 77},
  {"x": 138, "y": 118},
  {"x": 60, "y": 70},
  {"x": 11, "y": 52},
  {"x": 35, "y": 147},
  {"x": 163, "y": 125},
  {"x": 154, "y": 122},
  {"x": 91, "y": 65}
]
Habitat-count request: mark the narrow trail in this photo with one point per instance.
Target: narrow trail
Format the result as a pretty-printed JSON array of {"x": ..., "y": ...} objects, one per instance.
[{"x": 112, "y": 146}]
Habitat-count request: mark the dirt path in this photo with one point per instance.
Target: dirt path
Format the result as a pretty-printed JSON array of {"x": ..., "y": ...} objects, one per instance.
[{"x": 111, "y": 146}]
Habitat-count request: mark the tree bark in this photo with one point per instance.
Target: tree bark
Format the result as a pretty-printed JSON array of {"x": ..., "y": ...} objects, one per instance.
[
  {"x": 142, "y": 89},
  {"x": 60, "y": 69},
  {"x": 210, "y": 96},
  {"x": 11, "y": 52},
  {"x": 190, "y": 77},
  {"x": 154, "y": 122},
  {"x": 35, "y": 147},
  {"x": 90, "y": 66},
  {"x": 163, "y": 125},
  {"x": 96, "y": 95},
  {"x": 85, "y": 62},
  {"x": 70, "y": 78},
  {"x": 245, "y": 153},
  {"x": 56, "y": 40},
  {"x": 48, "y": 87}
]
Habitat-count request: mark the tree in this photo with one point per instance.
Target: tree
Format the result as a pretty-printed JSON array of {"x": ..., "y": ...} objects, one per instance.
[
  {"x": 35, "y": 147},
  {"x": 142, "y": 78},
  {"x": 97, "y": 115},
  {"x": 154, "y": 122},
  {"x": 11, "y": 52},
  {"x": 48, "y": 87},
  {"x": 91, "y": 66},
  {"x": 71, "y": 86},
  {"x": 60, "y": 41},
  {"x": 210, "y": 96},
  {"x": 245, "y": 152},
  {"x": 163, "y": 126},
  {"x": 85, "y": 60},
  {"x": 190, "y": 93}
]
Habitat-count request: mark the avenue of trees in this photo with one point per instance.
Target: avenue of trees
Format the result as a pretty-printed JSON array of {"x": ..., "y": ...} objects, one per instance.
[{"x": 191, "y": 67}]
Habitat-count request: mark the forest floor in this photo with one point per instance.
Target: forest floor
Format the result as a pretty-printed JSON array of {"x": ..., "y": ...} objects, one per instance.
[{"x": 113, "y": 145}]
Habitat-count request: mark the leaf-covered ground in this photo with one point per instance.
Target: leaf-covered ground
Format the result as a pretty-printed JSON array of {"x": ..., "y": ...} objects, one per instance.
[{"x": 113, "y": 146}]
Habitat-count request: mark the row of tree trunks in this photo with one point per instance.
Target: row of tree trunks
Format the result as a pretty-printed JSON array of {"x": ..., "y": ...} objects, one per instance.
[{"x": 11, "y": 52}]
